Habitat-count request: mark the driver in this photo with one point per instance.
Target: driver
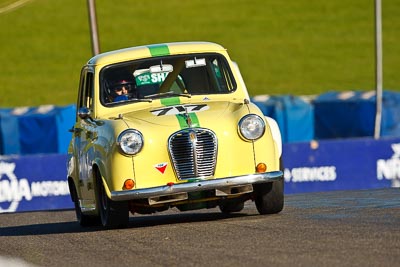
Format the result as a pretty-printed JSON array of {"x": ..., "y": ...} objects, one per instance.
[{"x": 121, "y": 90}]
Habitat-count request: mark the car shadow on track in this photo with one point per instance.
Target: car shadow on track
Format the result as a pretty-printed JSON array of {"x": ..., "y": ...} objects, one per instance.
[
  {"x": 44, "y": 229},
  {"x": 163, "y": 219},
  {"x": 134, "y": 222}
]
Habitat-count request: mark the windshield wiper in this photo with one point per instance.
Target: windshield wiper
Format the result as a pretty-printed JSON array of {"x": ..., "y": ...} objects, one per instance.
[
  {"x": 170, "y": 93},
  {"x": 128, "y": 101},
  {"x": 138, "y": 100}
]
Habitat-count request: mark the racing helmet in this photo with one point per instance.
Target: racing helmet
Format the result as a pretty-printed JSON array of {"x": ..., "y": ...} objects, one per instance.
[{"x": 122, "y": 83}]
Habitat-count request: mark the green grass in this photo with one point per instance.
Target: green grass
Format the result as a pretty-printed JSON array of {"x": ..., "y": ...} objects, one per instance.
[{"x": 282, "y": 47}]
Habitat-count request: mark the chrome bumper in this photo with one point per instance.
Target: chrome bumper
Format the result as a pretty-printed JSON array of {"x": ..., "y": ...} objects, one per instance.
[{"x": 197, "y": 186}]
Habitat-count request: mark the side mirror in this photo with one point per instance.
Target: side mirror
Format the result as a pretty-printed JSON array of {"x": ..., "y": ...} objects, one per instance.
[{"x": 84, "y": 113}]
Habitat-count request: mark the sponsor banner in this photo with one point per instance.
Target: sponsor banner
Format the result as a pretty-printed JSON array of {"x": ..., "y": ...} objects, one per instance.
[
  {"x": 29, "y": 183},
  {"x": 341, "y": 165},
  {"x": 38, "y": 182}
]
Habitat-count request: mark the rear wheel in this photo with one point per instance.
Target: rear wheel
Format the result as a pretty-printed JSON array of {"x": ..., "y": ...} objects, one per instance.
[
  {"x": 229, "y": 206},
  {"x": 113, "y": 214}
]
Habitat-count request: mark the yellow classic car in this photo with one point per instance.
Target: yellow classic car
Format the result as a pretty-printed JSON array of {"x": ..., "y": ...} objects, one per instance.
[{"x": 169, "y": 125}]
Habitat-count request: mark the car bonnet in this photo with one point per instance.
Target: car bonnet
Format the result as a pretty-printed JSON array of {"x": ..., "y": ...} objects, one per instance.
[{"x": 202, "y": 114}]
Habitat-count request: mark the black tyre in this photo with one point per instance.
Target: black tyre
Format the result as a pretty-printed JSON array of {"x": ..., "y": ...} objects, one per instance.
[
  {"x": 269, "y": 197},
  {"x": 113, "y": 214},
  {"x": 229, "y": 206},
  {"x": 83, "y": 219}
]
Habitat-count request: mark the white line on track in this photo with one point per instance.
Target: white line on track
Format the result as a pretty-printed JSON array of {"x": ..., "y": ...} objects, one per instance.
[
  {"x": 13, "y": 6},
  {"x": 14, "y": 262}
]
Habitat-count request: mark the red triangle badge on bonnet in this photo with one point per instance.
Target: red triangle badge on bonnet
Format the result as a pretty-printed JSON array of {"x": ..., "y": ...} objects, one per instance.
[{"x": 161, "y": 167}]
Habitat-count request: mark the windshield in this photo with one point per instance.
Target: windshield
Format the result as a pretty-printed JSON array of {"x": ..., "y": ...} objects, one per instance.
[{"x": 158, "y": 77}]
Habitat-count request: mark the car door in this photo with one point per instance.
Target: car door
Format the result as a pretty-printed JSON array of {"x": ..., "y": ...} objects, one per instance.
[{"x": 83, "y": 133}]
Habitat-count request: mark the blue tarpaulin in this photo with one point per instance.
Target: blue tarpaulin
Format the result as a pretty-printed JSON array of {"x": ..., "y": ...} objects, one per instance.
[
  {"x": 352, "y": 114},
  {"x": 36, "y": 130},
  {"x": 332, "y": 115},
  {"x": 294, "y": 116}
]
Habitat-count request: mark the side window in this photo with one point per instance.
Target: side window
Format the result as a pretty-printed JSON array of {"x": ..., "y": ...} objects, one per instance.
[
  {"x": 86, "y": 90},
  {"x": 222, "y": 74},
  {"x": 89, "y": 90}
]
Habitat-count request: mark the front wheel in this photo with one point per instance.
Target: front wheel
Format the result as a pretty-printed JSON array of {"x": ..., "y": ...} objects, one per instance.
[
  {"x": 83, "y": 219},
  {"x": 269, "y": 197},
  {"x": 113, "y": 214}
]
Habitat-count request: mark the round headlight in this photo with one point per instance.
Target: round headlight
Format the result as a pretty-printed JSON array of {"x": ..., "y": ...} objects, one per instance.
[
  {"x": 130, "y": 141},
  {"x": 251, "y": 127}
]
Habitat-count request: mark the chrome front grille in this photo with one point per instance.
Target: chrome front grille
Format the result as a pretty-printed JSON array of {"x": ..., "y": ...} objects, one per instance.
[{"x": 193, "y": 153}]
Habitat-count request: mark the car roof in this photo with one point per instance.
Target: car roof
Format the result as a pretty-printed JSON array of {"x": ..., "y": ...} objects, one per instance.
[{"x": 153, "y": 50}]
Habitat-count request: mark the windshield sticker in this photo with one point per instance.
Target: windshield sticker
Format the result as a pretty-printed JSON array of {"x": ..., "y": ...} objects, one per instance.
[
  {"x": 181, "y": 109},
  {"x": 150, "y": 78}
]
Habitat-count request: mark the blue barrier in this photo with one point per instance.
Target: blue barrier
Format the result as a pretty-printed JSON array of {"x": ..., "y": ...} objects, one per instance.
[{"x": 38, "y": 182}]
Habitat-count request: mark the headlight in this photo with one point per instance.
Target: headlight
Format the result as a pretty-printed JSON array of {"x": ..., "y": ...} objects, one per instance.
[
  {"x": 251, "y": 127},
  {"x": 130, "y": 141}
]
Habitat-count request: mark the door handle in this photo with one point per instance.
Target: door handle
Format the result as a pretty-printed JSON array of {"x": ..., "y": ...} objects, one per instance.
[{"x": 75, "y": 130}]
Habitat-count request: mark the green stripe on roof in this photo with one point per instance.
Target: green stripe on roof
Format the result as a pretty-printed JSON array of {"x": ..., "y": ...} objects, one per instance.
[
  {"x": 158, "y": 50},
  {"x": 170, "y": 101}
]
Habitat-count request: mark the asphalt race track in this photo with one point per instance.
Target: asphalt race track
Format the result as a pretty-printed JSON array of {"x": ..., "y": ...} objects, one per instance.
[{"x": 342, "y": 228}]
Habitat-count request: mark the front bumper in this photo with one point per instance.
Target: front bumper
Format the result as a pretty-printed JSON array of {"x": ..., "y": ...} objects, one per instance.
[{"x": 197, "y": 186}]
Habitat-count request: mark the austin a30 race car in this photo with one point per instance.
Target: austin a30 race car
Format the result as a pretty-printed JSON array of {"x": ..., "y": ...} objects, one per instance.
[{"x": 169, "y": 125}]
